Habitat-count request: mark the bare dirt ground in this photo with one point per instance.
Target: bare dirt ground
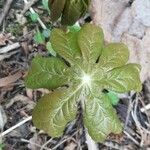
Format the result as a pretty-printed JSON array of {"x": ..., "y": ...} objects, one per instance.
[{"x": 17, "y": 48}]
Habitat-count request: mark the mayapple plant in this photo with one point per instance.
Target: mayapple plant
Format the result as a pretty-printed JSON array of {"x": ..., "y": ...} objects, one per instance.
[
  {"x": 86, "y": 66},
  {"x": 69, "y": 10}
]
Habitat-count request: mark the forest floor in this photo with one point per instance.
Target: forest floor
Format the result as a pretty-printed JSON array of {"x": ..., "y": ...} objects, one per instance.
[{"x": 17, "y": 48}]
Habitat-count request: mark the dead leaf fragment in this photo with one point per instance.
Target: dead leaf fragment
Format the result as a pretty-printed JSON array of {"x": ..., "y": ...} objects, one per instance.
[{"x": 10, "y": 79}]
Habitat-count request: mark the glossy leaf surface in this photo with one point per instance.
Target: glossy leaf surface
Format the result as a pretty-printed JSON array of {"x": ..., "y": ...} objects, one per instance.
[
  {"x": 47, "y": 73},
  {"x": 69, "y": 10},
  {"x": 65, "y": 44},
  {"x": 100, "y": 118},
  {"x": 54, "y": 111},
  {"x": 88, "y": 67},
  {"x": 90, "y": 40},
  {"x": 56, "y": 8}
]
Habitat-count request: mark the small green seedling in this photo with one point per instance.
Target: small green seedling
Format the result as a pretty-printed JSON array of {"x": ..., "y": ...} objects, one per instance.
[
  {"x": 39, "y": 37},
  {"x": 87, "y": 69},
  {"x": 34, "y": 17}
]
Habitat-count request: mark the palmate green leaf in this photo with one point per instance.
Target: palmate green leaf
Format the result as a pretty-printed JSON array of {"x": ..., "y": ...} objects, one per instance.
[
  {"x": 93, "y": 68},
  {"x": 113, "y": 55},
  {"x": 100, "y": 118},
  {"x": 56, "y": 8},
  {"x": 65, "y": 44},
  {"x": 55, "y": 110},
  {"x": 90, "y": 40},
  {"x": 47, "y": 73},
  {"x": 123, "y": 79},
  {"x": 73, "y": 10}
]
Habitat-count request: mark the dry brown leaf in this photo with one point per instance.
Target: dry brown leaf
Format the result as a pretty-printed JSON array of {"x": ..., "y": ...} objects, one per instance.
[
  {"x": 4, "y": 38},
  {"x": 10, "y": 79},
  {"x": 71, "y": 146},
  {"x": 25, "y": 100}
]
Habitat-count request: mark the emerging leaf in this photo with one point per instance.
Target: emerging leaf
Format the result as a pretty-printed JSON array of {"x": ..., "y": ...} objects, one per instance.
[
  {"x": 47, "y": 73},
  {"x": 56, "y": 8},
  {"x": 70, "y": 10},
  {"x": 100, "y": 118},
  {"x": 124, "y": 79},
  {"x": 73, "y": 11},
  {"x": 93, "y": 67},
  {"x": 114, "y": 55},
  {"x": 65, "y": 44},
  {"x": 90, "y": 40},
  {"x": 54, "y": 111}
]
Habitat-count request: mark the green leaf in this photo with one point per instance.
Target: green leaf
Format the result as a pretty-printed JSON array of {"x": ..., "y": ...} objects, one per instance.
[
  {"x": 113, "y": 97},
  {"x": 65, "y": 44},
  {"x": 123, "y": 79},
  {"x": 74, "y": 28},
  {"x": 2, "y": 146},
  {"x": 56, "y": 8},
  {"x": 73, "y": 11},
  {"x": 55, "y": 110},
  {"x": 90, "y": 41},
  {"x": 100, "y": 118},
  {"x": 86, "y": 68},
  {"x": 50, "y": 49},
  {"x": 114, "y": 55},
  {"x": 39, "y": 38},
  {"x": 47, "y": 73},
  {"x": 34, "y": 17}
]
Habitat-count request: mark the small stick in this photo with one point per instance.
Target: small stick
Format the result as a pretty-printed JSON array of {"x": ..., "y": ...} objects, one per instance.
[
  {"x": 5, "y": 11},
  {"x": 27, "y": 141},
  {"x": 128, "y": 135},
  {"x": 9, "y": 48},
  {"x": 28, "y": 5},
  {"x": 45, "y": 144},
  {"x": 39, "y": 20},
  {"x": 147, "y": 107},
  {"x": 15, "y": 126}
]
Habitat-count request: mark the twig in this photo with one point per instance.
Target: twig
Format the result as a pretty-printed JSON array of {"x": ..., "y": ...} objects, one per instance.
[
  {"x": 5, "y": 11},
  {"x": 4, "y": 56},
  {"x": 9, "y": 48},
  {"x": 130, "y": 106},
  {"x": 39, "y": 20},
  {"x": 147, "y": 107},
  {"x": 43, "y": 146},
  {"x": 28, "y": 5},
  {"x": 15, "y": 126},
  {"x": 27, "y": 141},
  {"x": 129, "y": 136},
  {"x": 66, "y": 139}
]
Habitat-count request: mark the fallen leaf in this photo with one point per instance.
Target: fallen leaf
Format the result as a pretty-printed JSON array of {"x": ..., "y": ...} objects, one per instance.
[
  {"x": 21, "y": 98},
  {"x": 10, "y": 79},
  {"x": 4, "y": 38}
]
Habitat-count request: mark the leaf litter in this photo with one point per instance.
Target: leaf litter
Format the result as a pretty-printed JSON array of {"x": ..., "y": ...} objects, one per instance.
[{"x": 16, "y": 102}]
